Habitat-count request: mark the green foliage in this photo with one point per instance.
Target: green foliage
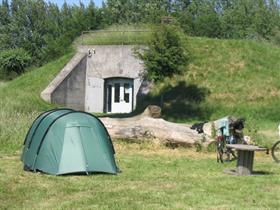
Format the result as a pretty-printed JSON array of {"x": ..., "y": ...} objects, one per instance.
[
  {"x": 46, "y": 31},
  {"x": 42, "y": 29},
  {"x": 166, "y": 54},
  {"x": 13, "y": 62},
  {"x": 249, "y": 19},
  {"x": 200, "y": 18},
  {"x": 4, "y": 13},
  {"x": 136, "y": 11}
]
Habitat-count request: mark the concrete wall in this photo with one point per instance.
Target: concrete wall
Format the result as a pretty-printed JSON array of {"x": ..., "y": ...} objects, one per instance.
[
  {"x": 71, "y": 91},
  {"x": 80, "y": 84},
  {"x": 68, "y": 88},
  {"x": 94, "y": 100},
  {"x": 109, "y": 61},
  {"x": 112, "y": 61}
]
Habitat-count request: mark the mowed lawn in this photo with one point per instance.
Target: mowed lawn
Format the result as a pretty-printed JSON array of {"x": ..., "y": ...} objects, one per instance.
[{"x": 152, "y": 177}]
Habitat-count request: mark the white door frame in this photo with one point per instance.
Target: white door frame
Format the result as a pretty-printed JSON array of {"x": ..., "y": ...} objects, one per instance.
[{"x": 119, "y": 95}]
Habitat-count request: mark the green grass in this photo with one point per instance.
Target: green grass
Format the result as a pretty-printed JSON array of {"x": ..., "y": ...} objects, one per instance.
[
  {"x": 225, "y": 77},
  {"x": 117, "y": 35},
  {"x": 20, "y": 103},
  {"x": 152, "y": 177}
]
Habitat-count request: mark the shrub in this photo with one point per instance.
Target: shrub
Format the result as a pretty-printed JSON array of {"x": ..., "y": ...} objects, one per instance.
[
  {"x": 166, "y": 54},
  {"x": 13, "y": 61}
]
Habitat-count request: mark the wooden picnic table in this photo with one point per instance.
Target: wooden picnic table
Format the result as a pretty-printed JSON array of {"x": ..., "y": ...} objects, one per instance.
[{"x": 245, "y": 158}]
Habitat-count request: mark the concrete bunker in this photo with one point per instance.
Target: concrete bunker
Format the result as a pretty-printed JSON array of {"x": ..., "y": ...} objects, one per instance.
[{"x": 99, "y": 78}]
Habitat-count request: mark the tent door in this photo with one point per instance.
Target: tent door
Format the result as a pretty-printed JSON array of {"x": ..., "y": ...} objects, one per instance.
[{"x": 73, "y": 157}]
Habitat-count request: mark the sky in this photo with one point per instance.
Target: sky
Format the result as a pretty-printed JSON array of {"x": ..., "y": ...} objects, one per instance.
[{"x": 60, "y": 2}]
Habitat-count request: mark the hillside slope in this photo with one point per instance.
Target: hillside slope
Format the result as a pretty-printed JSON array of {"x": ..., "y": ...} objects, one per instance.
[
  {"x": 224, "y": 77},
  {"x": 20, "y": 103},
  {"x": 242, "y": 76}
]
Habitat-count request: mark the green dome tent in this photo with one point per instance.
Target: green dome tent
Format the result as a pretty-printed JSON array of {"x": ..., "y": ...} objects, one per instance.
[{"x": 64, "y": 141}]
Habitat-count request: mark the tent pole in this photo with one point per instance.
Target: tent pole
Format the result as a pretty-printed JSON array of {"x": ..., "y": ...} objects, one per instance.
[
  {"x": 84, "y": 151},
  {"x": 33, "y": 165}
]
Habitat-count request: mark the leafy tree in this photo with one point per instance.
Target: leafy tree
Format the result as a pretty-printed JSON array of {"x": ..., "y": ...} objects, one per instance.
[
  {"x": 137, "y": 11},
  {"x": 4, "y": 12},
  {"x": 250, "y": 19},
  {"x": 266, "y": 18},
  {"x": 28, "y": 27},
  {"x": 13, "y": 62},
  {"x": 91, "y": 16},
  {"x": 4, "y": 24},
  {"x": 166, "y": 54},
  {"x": 200, "y": 18}
]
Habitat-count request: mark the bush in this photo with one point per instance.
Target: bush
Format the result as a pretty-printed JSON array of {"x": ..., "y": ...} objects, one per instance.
[
  {"x": 166, "y": 54},
  {"x": 13, "y": 62}
]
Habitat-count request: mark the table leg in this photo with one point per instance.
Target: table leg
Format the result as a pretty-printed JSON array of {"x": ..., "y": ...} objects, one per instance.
[{"x": 245, "y": 162}]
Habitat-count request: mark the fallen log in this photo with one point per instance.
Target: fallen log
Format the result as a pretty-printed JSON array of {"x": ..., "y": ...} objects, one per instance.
[{"x": 146, "y": 127}]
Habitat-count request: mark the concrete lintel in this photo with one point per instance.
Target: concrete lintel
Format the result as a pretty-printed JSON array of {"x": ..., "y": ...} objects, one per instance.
[{"x": 62, "y": 75}]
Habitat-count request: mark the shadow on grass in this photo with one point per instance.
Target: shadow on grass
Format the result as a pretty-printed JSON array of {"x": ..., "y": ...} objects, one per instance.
[
  {"x": 254, "y": 173},
  {"x": 182, "y": 102},
  {"x": 261, "y": 173},
  {"x": 179, "y": 103},
  {"x": 84, "y": 173},
  {"x": 88, "y": 174},
  {"x": 121, "y": 115}
]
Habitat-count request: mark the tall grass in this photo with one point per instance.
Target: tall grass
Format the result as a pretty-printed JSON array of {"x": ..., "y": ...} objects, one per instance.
[{"x": 20, "y": 103}]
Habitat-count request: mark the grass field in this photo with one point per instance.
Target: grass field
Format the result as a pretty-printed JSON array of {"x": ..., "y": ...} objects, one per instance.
[
  {"x": 152, "y": 177},
  {"x": 20, "y": 103},
  {"x": 117, "y": 35},
  {"x": 224, "y": 77}
]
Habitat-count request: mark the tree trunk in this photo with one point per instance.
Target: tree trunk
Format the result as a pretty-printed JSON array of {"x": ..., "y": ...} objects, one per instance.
[{"x": 145, "y": 127}]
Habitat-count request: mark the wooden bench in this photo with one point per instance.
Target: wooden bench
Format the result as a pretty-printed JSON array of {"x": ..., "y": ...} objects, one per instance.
[{"x": 245, "y": 158}]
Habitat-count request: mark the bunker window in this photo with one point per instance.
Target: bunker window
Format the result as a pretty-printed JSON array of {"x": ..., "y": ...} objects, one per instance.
[
  {"x": 126, "y": 92},
  {"x": 117, "y": 92}
]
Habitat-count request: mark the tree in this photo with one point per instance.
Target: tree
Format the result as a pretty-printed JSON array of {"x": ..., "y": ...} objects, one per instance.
[
  {"x": 200, "y": 18},
  {"x": 4, "y": 24},
  {"x": 13, "y": 62},
  {"x": 166, "y": 54},
  {"x": 251, "y": 19},
  {"x": 4, "y": 13},
  {"x": 28, "y": 27},
  {"x": 91, "y": 16}
]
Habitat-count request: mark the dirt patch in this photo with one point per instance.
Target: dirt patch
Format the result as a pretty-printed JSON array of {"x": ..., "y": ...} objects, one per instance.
[
  {"x": 2, "y": 83},
  {"x": 235, "y": 65},
  {"x": 228, "y": 96},
  {"x": 273, "y": 134}
]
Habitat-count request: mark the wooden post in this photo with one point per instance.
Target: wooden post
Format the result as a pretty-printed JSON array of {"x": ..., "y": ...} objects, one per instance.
[{"x": 245, "y": 162}]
